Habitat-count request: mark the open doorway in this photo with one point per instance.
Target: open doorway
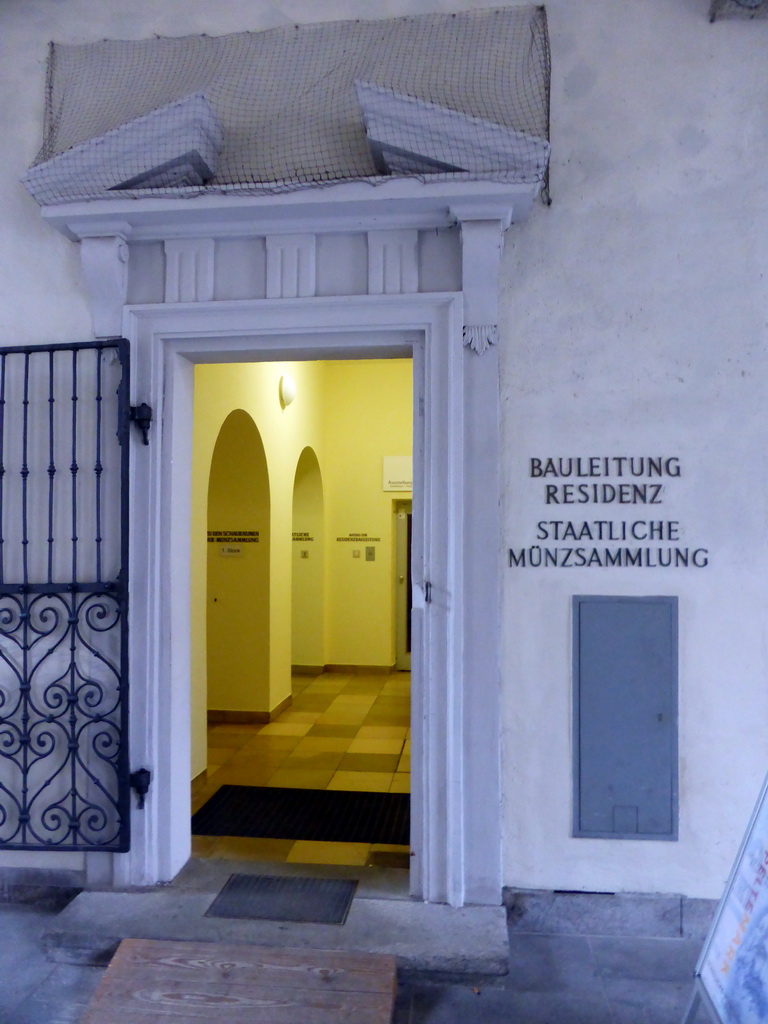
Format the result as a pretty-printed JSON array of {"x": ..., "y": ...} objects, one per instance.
[
  {"x": 455, "y": 785},
  {"x": 303, "y": 687}
]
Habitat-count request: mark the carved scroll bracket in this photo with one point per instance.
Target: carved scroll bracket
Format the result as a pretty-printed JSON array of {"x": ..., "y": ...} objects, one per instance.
[
  {"x": 482, "y": 242},
  {"x": 104, "y": 262}
]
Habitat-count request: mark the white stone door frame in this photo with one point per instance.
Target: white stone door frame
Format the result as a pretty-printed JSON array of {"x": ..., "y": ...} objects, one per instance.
[
  {"x": 449, "y": 771},
  {"x": 456, "y": 801}
]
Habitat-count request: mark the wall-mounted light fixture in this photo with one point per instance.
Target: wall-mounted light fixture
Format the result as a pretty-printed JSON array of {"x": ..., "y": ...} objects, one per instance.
[{"x": 287, "y": 389}]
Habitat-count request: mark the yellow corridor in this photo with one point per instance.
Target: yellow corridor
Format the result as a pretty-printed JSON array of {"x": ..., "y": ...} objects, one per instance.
[{"x": 343, "y": 731}]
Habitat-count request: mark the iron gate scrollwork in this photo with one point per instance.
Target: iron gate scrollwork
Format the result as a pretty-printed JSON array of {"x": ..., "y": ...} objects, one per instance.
[{"x": 64, "y": 419}]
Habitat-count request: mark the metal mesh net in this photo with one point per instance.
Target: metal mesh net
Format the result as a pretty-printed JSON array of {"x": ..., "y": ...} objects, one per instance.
[
  {"x": 461, "y": 95},
  {"x": 737, "y": 8}
]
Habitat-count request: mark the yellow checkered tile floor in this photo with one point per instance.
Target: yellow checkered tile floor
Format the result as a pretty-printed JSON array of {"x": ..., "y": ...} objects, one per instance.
[{"x": 343, "y": 731}]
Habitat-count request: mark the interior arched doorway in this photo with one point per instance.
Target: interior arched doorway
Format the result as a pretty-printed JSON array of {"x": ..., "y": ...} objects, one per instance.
[
  {"x": 308, "y": 571},
  {"x": 238, "y": 571}
]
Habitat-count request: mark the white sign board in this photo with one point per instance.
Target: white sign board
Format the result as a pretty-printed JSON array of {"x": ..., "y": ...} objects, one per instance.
[
  {"x": 732, "y": 972},
  {"x": 398, "y": 473}
]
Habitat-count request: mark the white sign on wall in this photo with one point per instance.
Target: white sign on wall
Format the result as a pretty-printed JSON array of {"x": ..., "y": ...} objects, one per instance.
[{"x": 398, "y": 473}]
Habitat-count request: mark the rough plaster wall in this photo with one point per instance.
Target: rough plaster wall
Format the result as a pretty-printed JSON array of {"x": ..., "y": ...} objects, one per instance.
[{"x": 635, "y": 323}]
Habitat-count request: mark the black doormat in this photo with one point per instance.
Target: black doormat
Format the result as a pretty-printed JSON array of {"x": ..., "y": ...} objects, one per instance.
[
  {"x": 323, "y": 815},
  {"x": 275, "y": 898}
]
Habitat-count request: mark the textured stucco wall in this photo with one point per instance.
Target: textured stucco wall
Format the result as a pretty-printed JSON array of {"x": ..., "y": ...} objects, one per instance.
[
  {"x": 634, "y": 319},
  {"x": 635, "y": 323}
]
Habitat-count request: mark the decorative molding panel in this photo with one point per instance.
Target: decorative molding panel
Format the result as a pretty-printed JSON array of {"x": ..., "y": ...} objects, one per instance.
[
  {"x": 480, "y": 337},
  {"x": 393, "y": 264},
  {"x": 104, "y": 261},
  {"x": 189, "y": 269},
  {"x": 291, "y": 265}
]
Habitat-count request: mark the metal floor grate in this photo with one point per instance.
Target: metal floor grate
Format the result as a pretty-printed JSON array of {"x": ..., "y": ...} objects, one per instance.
[{"x": 276, "y": 898}]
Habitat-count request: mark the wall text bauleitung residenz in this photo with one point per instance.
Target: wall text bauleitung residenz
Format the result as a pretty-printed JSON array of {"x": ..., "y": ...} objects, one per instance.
[{"x": 643, "y": 538}]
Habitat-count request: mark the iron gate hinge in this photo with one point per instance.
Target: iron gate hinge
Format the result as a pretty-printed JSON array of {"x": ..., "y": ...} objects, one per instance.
[
  {"x": 141, "y": 415},
  {"x": 140, "y": 781}
]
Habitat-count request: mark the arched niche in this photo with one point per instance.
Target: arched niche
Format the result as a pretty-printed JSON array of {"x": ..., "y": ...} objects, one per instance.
[
  {"x": 238, "y": 569},
  {"x": 308, "y": 573}
]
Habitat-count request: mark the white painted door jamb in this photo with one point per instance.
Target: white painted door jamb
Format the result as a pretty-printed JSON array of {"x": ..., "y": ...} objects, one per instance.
[{"x": 166, "y": 341}]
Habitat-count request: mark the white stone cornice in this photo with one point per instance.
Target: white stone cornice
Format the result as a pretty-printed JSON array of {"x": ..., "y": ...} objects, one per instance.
[
  {"x": 487, "y": 208},
  {"x": 350, "y": 206}
]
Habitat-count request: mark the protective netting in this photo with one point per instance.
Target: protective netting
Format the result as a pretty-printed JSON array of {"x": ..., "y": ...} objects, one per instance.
[
  {"x": 441, "y": 96},
  {"x": 736, "y": 8}
]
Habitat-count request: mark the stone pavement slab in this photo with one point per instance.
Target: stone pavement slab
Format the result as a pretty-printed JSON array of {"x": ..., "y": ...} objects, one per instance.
[
  {"x": 579, "y": 913},
  {"x": 553, "y": 978},
  {"x": 644, "y": 959},
  {"x": 565, "y": 979},
  {"x": 32, "y": 989},
  {"x": 458, "y": 1004}
]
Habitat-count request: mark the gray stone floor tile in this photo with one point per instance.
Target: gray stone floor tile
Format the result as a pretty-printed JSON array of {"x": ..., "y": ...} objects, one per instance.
[
  {"x": 553, "y": 979},
  {"x": 22, "y": 967},
  {"x": 554, "y": 1008},
  {"x": 448, "y": 1004},
  {"x": 648, "y": 1002},
  {"x": 32, "y": 989},
  {"x": 577, "y": 913},
  {"x": 19, "y": 980},
  {"x": 646, "y": 959},
  {"x": 61, "y": 998},
  {"x": 697, "y": 917},
  {"x": 550, "y": 963},
  {"x": 460, "y": 1005}
]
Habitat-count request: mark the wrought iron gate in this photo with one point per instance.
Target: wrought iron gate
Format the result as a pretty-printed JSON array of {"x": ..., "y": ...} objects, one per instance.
[{"x": 64, "y": 419}]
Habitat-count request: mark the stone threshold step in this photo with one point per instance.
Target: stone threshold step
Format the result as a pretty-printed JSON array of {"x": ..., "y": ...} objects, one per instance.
[
  {"x": 624, "y": 914},
  {"x": 426, "y": 937}
]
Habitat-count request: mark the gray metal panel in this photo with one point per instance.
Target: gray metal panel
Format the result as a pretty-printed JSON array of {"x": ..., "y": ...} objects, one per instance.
[{"x": 625, "y": 717}]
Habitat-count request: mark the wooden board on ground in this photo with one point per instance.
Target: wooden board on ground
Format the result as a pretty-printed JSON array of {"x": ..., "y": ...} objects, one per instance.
[{"x": 195, "y": 982}]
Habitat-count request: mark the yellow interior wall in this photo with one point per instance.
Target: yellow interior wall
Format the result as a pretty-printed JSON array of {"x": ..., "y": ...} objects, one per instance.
[
  {"x": 253, "y": 387},
  {"x": 308, "y": 590},
  {"x": 351, "y": 413},
  {"x": 368, "y": 416},
  {"x": 238, "y": 619}
]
